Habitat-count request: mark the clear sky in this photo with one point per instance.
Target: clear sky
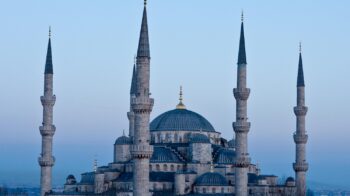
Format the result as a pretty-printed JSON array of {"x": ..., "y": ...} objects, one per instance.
[{"x": 194, "y": 44}]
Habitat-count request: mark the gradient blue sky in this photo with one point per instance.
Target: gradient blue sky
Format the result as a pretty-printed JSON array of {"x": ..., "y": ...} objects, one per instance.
[{"x": 194, "y": 44}]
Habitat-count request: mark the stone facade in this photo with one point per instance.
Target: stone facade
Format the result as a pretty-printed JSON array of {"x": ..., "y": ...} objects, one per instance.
[{"x": 179, "y": 152}]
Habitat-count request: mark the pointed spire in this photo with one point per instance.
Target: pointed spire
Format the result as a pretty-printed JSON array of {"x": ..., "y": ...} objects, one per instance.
[
  {"x": 133, "y": 81},
  {"x": 180, "y": 105},
  {"x": 241, "y": 53},
  {"x": 143, "y": 49},
  {"x": 300, "y": 81},
  {"x": 48, "y": 64}
]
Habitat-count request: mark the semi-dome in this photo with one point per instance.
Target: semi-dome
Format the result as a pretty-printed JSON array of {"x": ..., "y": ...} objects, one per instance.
[
  {"x": 211, "y": 179},
  {"x": 181, "y": 120},
  {"x": 164, "y": 155},
  {"x": 224, "y": 156},
  {"x": 199, "y": 138},
  {"x": 231, "y": 143},
  {"x": 123, "y": 140}
]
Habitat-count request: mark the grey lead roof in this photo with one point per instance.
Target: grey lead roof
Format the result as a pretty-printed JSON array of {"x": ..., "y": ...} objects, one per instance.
[
  {"x": 143, "y": 49},
  {"x": 242, "y": 59},
  {"x": 133, "y": 81},
  {"x": 48, "y": 64},
  {"x": 199, "y": 138},
  {"x": 164, "y": 155},
  {"x": 180, "y": 120},
  {"x": 224, "y": 156},
  {"x": 123, "y": 140},
  {"x": 211, "y": 179},
  {"x": 300, "y": 81}
]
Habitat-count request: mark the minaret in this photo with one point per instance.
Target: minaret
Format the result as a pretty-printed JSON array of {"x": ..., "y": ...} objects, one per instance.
[
  {"x": 300, "y": 137},
  {"x": 47, "y": 130},
  {"x": 142, "y": 105},
  {"x": 241, "y": 126},
  {"x": 130, "y": 114}
]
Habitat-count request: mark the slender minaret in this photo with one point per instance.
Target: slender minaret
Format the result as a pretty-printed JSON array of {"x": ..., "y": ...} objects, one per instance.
[
  {"x": 241, "y": 126},
  {"x": 47, "y": 130},
  {"x": 300, "y": 137},
  {"x": 130, "y": 114},
  {"x": 142, "y": 105}
]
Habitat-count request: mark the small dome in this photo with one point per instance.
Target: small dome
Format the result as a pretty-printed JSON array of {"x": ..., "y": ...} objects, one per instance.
[
  {"x": 232, "y": 143},
  {"x": 180, "y": 120},
  {"x": 211, "y": 179},
  {"x": 290, "y": 179},
  {"x": 123, "y": 140},
  {"x": 224, "y": 156},
  {"x": 199, "y": 138},
  {"x": 164, "y": 155},
  {"x": 71, "y": 180}
]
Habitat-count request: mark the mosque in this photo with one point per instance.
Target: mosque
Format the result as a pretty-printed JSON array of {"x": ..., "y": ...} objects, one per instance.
[{"x": 179, "y": 152}]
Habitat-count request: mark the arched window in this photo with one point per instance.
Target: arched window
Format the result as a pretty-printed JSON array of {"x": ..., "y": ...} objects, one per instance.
[
  {"x": 172, "y": 168},
  {"x": 214, "y": 190},
  {"x": 178, "y": 167},
  {"x": 150, "y": 167},
  {"x": 204, "y": 190},
  {"x": 157, "y": 167},
  {"x": 164, "y": 186},
  {"x": 222, "y": 190},
  {"x": 165, "y": 167}
]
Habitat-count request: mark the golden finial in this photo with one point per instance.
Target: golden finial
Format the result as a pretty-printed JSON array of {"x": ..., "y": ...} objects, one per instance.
[
  {"x": 242, "y": 16},
  {"x": 49, "y": 31},
  {"x": 300, "y": 47},
  {"x": 180, "y": 105},
  {"x": 145, "y": 2}
]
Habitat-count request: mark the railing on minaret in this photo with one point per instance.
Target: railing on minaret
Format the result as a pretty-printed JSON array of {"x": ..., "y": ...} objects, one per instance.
[
  {"x": 142, "y": 105},
  {"x": 47, "y": 130},
  {"x": 300, "y": 137},
  {"x": 241, "y": 126}
]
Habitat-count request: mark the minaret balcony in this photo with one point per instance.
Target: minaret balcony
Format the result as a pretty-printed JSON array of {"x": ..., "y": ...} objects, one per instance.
[
  {"x": 130, "y": 115},
  {"x": 300, "y": 138},
  {"x": 241, "y": 93},
  {"x": 301, "y": 167},
  {"x": 142, "y": 104},
  {"x": 242, "y": 161},
  {"x": 241, "y": 126},
  {"x": 141, "y": 151},
  {"x": 47, "y": 130},
  {"x": 46, "y": 161},
  {"x": 300, "y": 110},
  {"x": 48, "y": 100}
]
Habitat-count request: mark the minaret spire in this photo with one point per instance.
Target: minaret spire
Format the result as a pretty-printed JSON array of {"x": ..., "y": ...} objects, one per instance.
[
  {"x": 300, "y": 81},
  {"x": 300, "y": 137},
  {"x": 241, "y": 126},
  {"x": 143, "y": 49},
  {"x": 242, "y": 59},
  {"x": 133, "y": 91},
  {"x": 48, "y": 65},
  {"x": 142, "y": 105},
  {"x": 47, "y": 130}
]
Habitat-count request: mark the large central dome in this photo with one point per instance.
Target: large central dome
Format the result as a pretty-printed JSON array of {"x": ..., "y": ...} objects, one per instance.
[{"x": 181, "y": 120}]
